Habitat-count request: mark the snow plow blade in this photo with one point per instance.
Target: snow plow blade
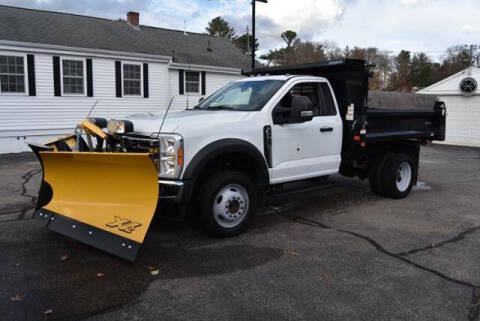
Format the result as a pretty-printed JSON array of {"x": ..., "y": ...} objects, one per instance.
[{"x": 106, "y": 200}]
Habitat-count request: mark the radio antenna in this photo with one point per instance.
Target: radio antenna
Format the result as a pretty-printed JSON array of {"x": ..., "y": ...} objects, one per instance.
[
  {"x": 76, "y": 132},
  {"x": 165, "y": 116},
  {"x": 91, "y": 109}
]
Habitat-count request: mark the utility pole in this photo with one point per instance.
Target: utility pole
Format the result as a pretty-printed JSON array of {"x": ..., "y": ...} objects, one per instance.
[
  {"x": 471, "y": 55},
  {"x": 254, "y": 2},
  {"x": 248, "y": 39}
]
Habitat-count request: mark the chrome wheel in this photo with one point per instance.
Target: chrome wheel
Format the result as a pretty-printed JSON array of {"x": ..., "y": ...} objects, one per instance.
[
  {"x": 404, "y": 176},
  {"x": 230, "y": 206}
]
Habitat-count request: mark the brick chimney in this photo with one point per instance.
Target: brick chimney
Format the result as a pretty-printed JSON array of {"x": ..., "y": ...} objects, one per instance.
[{"x": 133, "y": 18}]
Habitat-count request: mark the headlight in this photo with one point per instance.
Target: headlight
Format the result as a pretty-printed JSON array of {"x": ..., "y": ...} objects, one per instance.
[
  {"x": 119, "y": 126},
  {"x": 170, "y": 164}
]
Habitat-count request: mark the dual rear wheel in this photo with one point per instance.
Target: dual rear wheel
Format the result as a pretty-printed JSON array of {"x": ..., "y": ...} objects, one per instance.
[{"x": 393, "y": 175}]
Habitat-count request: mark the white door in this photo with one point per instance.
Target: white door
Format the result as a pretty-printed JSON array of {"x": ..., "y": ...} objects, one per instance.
[
  {"x": 463, "y": 120},
  {"x": 312, "y": 148}
]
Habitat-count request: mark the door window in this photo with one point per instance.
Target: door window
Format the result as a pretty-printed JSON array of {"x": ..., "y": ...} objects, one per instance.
[
  {"x": 309, "y": 90},
  {"x": 328, "y": 104},
  {"x": 319, "y": 94}
]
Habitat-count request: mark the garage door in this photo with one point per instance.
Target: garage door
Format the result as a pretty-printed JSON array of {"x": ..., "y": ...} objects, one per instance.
[{"x": 463, "y": 120}]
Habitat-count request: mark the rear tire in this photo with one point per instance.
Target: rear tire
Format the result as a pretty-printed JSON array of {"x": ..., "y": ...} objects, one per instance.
[
  {"x": 375, "y": 174},
  {"x": 228, "y": 201},
  {"x": 398, "y": 176}
]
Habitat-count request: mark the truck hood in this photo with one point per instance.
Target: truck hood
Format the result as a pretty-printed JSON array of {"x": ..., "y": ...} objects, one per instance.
[{"x": 178, "y": 122}]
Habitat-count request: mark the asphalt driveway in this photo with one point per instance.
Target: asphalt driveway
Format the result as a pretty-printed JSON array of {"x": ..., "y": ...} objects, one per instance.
[{"x": 339, "y": 253}]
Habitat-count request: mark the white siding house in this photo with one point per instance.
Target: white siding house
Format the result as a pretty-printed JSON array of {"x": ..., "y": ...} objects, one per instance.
[
  {"x": 461, "y": 95},
  {"x": 48, "y": 85}
]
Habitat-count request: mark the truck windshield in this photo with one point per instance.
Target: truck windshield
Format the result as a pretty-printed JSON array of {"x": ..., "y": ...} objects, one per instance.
[{"x": 242, "y": 96}]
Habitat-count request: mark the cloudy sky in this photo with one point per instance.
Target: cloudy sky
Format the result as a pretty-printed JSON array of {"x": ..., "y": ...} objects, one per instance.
[{"x": 415, "y": 25}]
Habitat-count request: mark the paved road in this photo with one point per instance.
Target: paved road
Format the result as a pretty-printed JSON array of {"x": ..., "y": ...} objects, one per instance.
[{"x": 335, "y": 254}]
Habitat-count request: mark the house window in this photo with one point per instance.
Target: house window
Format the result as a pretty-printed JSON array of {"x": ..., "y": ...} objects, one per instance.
[
  {"x": 12, "y": 74},
  {"x": 192, "y": 82},
  {"x": 132, "y": 79},
  {"x": 73, "y": 77}
]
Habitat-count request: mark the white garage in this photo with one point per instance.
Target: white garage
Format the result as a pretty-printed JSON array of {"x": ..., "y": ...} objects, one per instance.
[{"x": 461, "y": 94}]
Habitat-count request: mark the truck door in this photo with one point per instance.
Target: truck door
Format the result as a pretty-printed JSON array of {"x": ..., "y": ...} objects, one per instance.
[{"x": 310, "y": 148}]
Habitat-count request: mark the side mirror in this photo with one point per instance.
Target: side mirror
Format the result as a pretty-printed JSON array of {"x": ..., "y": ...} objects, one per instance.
[
  {"x": 300, "y": 112},
  {"x": 302, "y": 109}
]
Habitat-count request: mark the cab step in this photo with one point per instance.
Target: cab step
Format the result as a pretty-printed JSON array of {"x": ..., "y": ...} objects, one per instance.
[{"x": 303, "y": 186}]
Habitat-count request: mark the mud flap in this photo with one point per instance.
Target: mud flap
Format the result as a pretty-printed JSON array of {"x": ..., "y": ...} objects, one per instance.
[{"x": 106, "y": 200}]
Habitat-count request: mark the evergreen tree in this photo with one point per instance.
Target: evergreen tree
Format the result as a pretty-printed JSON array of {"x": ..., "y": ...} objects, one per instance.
[
  {"x": 289, "y": 37},
  {"x": 220, "y": 27},
  {"x": 421, "y": 71},
  {"x": 400, "y": 80}
]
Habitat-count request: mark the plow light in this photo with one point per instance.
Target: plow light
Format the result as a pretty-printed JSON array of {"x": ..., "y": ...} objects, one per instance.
[{"x": 119, "y": 126}]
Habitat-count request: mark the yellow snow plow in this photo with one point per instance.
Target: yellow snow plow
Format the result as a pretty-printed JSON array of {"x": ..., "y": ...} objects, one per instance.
[{"x": 104, "y": 199}]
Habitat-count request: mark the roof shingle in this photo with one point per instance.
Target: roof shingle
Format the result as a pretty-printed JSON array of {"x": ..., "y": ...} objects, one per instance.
[{"x": 63, "y": 29}]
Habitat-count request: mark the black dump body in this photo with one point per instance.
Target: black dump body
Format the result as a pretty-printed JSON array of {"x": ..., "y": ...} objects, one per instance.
[{"x": 367, "y": 129}]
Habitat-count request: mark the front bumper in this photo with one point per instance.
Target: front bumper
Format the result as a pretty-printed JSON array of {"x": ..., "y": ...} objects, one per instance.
[{"x": 172, "y": 191}]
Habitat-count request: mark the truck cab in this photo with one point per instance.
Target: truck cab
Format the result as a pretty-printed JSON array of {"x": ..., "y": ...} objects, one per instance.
[{"x": 275, "y": 129}]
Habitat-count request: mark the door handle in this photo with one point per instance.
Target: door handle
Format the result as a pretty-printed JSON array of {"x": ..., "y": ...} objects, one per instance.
[{"x": 326, "y": 129}]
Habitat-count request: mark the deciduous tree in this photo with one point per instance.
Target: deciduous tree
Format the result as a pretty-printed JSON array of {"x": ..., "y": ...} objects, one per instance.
[{"x": 244, "y": 43}]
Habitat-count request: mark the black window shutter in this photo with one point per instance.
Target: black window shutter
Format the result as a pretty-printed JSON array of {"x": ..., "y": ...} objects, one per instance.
[
  {"x": 204, "y": 83},
  {"x": 32, "y": 91},
  {"x": 181, "y": 82},
  {"x": 118, "y": 78},
  {"x": 89, "y": 78},
  {"x": 145, "y": 81},
  {"x": 56, "y": 76}
]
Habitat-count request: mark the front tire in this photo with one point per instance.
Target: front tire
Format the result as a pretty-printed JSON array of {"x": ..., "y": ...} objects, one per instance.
[{"x": 228, "y": 201}]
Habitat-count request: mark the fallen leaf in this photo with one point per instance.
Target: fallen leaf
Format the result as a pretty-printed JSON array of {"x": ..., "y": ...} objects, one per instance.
[
  {"x": 325, "y": 276},
  {"x": 154, "y": 272},
  {"x": 434, "y": 245},
  {"x": 64, "y": 258},
  {"x": 293, "y": 253},
  {"x": 151, "y": 267},
  {"x": 17, "y": 265},
  {"x": 49, "y": 311},
  {"x": 100, "y": 275},
  {"x": 16, "y": 298}
]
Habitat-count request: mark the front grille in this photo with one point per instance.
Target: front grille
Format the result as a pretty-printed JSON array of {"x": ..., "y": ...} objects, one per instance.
[{"x": 134, "y": 144}]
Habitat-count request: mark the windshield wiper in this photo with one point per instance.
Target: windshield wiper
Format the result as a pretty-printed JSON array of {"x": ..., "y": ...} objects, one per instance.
[{"x": 221, "y": 108}]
